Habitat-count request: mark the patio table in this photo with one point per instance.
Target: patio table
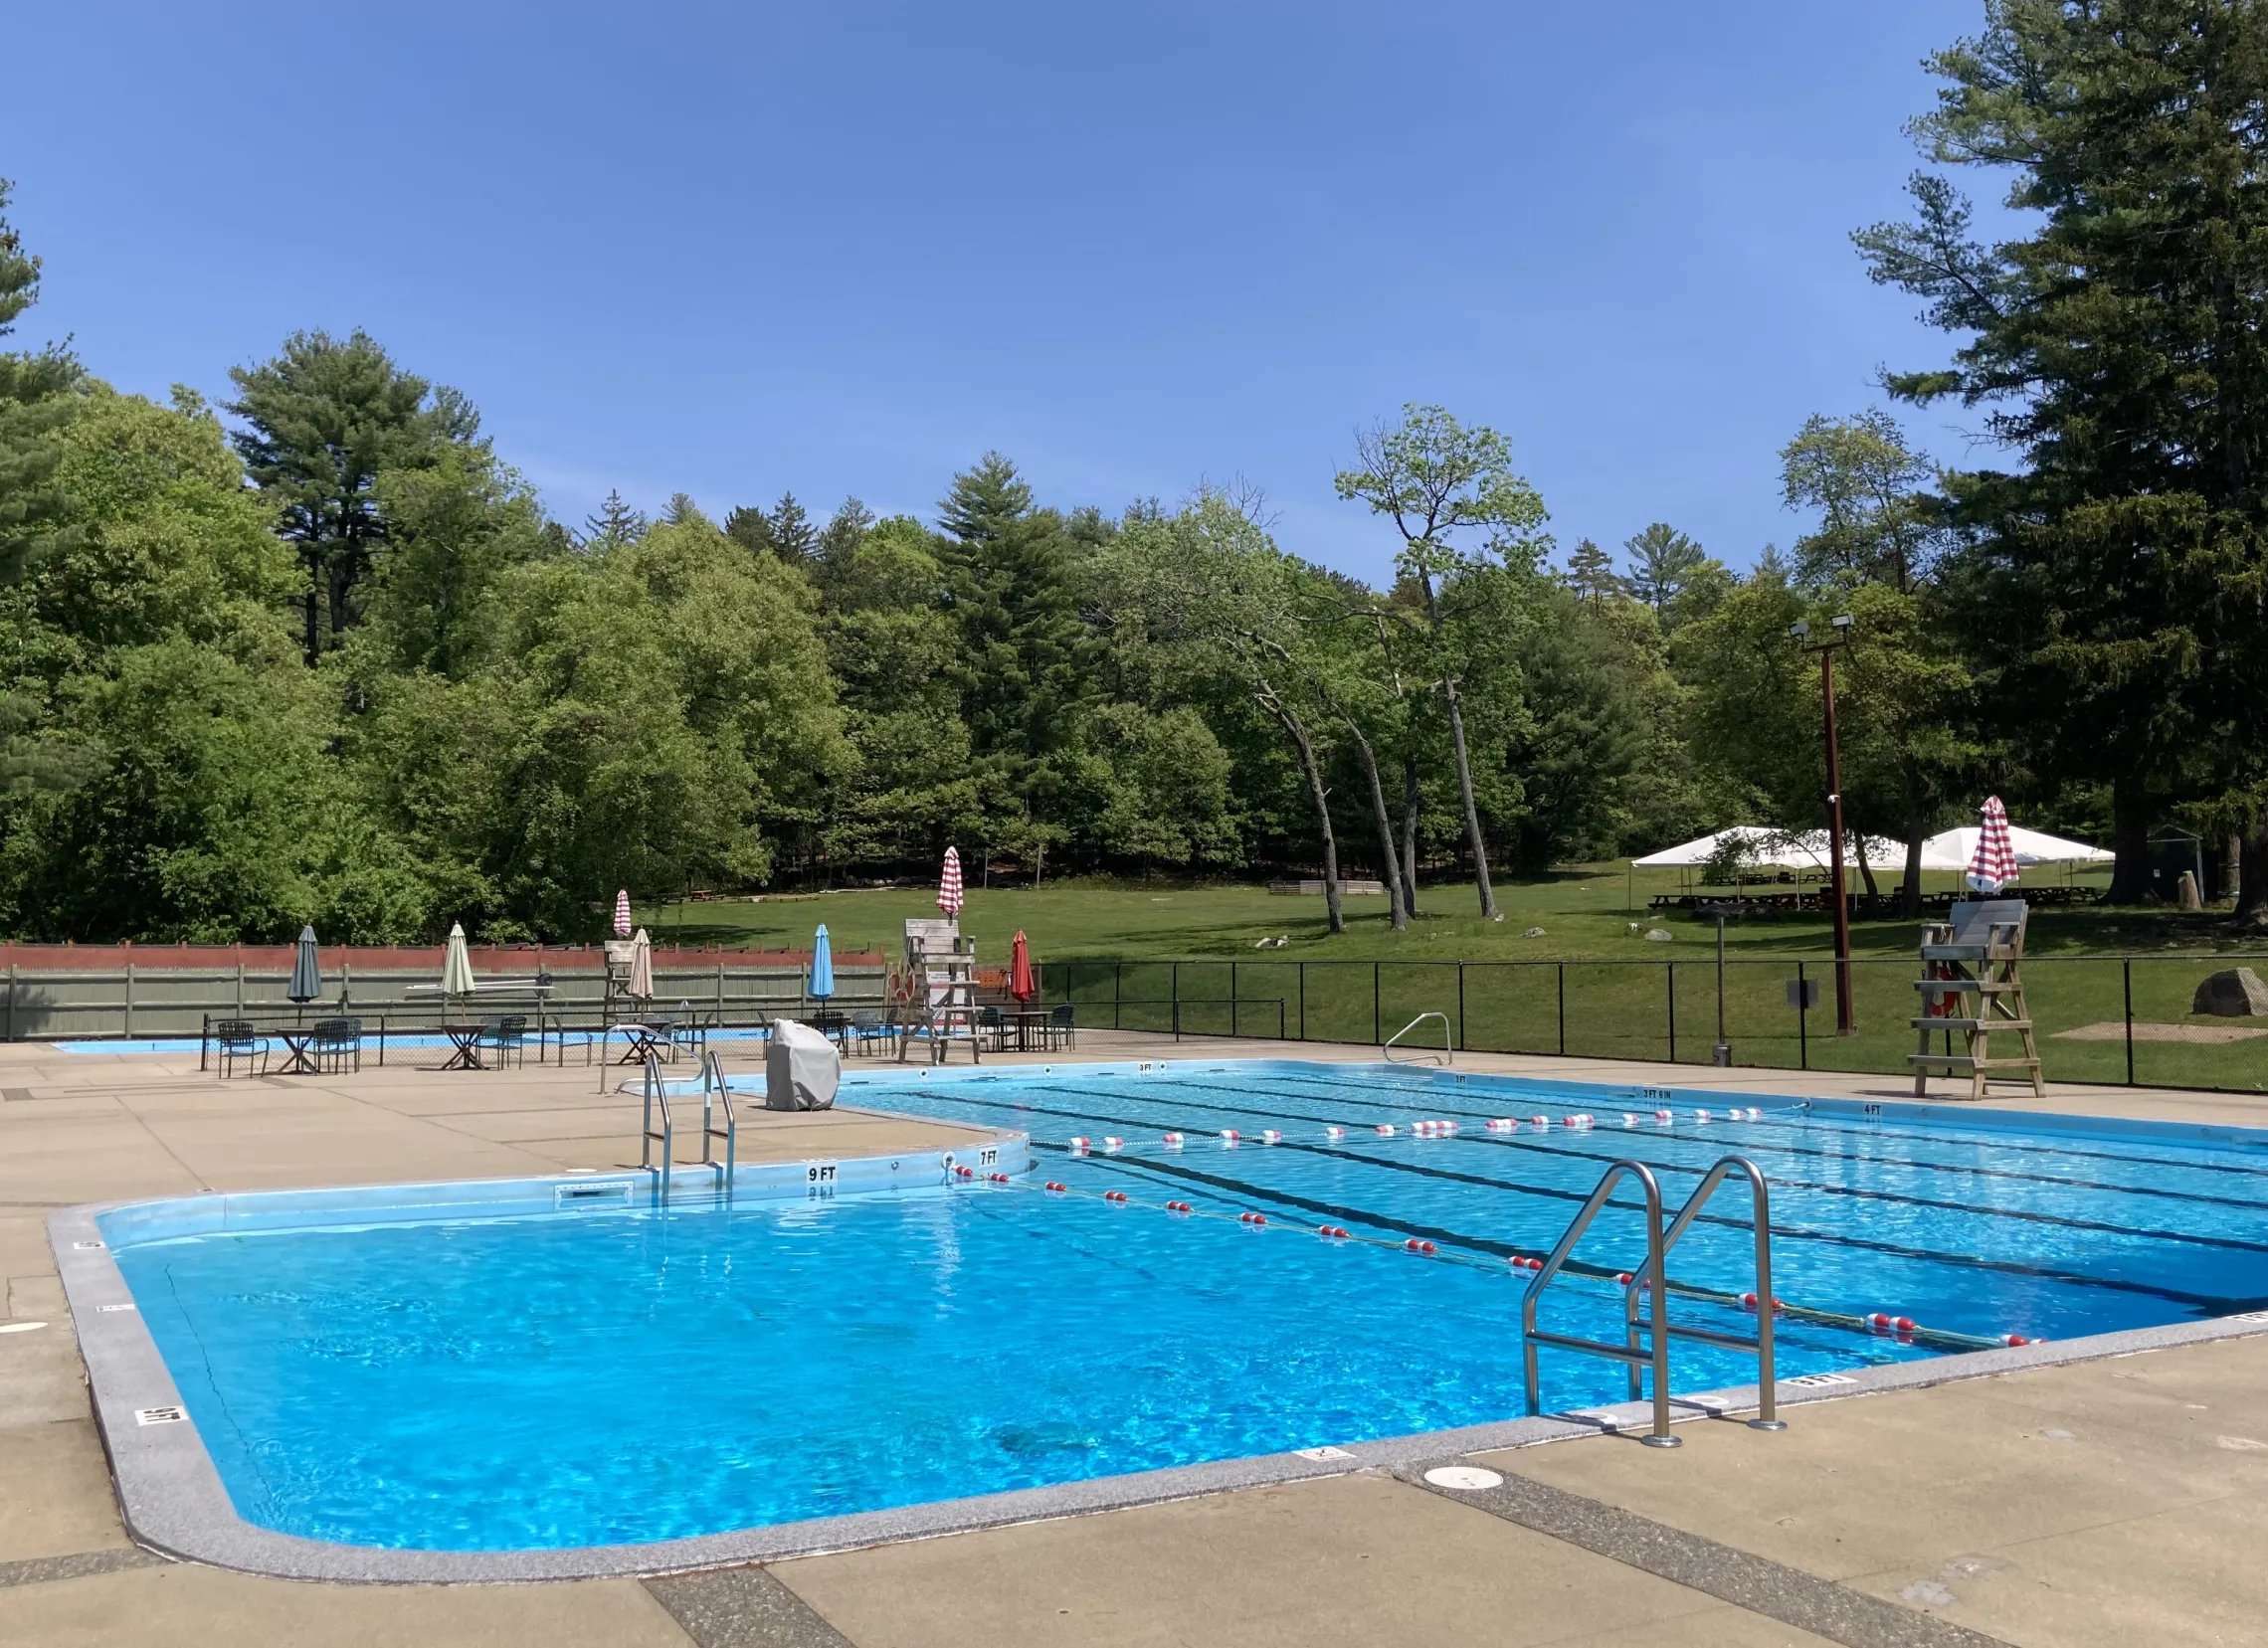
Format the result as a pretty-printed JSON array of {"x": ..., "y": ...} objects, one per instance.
[
  {"x": 300, "y": 1038},
  {"x": 465, "y": 1038}
]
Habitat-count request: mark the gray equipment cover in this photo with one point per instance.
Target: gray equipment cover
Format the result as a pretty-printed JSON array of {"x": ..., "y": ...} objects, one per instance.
[{"x": 801, "y": 1069}]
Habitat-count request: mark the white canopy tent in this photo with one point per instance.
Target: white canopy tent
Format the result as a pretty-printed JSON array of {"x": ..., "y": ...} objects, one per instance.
[
  {"x": 1953, "y": 849},
  {"x": 1777, "y": 850}
]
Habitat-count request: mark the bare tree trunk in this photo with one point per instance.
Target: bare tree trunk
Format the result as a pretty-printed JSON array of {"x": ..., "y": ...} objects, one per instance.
[
  {"x": 1909, "y": 889},
  {"x": 1321, "y": 797},
  {"x": 1397, "y": 911},
  {"x": 1471, "y": 808},
  {"x": 2130, "y": 839},
  {"x": 2252, "y": 886},
  {"x": 1410, "y": 804}
]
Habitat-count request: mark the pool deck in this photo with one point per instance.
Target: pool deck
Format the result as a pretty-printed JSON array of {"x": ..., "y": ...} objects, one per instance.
[{"x": 2117, "y": 1501}]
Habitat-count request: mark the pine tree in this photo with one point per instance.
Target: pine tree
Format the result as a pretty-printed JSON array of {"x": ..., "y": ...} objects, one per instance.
[
  {"x": 325, "y": 416},
  {"x": 793, "y": 536},
  {"x": 2121, "y": 347},
  {"x": 615, "y": 526},
  {"x": 751, "y": 529},
  {"x": 1591, "y": 572},
  {"x": 1662, "y": 559},
  {"x": 37, "y": 398}
]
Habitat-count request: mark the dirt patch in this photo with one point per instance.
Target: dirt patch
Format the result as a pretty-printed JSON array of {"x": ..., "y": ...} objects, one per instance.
[{"x": 2110, "y": 1029}]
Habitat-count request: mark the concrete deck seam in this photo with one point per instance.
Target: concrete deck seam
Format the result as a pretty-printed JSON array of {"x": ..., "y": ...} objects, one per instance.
[
  {"x": 743, "y": 1607},
  {"x": 79, "y": 1564},
  {"x": 1756, "y": 1583}
]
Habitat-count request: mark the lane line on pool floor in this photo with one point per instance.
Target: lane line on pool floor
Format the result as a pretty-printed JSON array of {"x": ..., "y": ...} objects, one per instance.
[
  {"x": 79, "y": 1564},
  {"x": 1757, "y": 1583},
  {"x": 743, "y": 1607}
]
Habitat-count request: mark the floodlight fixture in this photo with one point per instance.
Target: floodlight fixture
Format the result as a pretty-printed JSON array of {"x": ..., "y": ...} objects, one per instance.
[
  {"x": 1798, "y": 629},
  {"x": 1842, "y": 623}
]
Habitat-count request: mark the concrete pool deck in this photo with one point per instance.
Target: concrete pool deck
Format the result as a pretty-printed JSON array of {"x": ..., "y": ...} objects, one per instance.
[{"x": 2112, "y": 1500}]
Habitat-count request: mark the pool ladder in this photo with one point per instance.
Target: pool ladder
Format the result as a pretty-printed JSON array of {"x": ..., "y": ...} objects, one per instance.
[
  {"x": 715, "y": 1092},
  {"x": 1658, "y": 1330}
]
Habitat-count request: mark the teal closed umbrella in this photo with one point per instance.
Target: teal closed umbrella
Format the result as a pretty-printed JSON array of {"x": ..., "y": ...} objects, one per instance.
[
  {"x": 307, "y": 969},
  {"x": 822, "y": 965}
]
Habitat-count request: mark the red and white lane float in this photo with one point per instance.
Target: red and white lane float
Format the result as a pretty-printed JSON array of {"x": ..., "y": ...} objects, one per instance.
[
  {"x": 1629, "y": 1118},
  {"x": 1114, "y": 1195},
  {"x": 1334, "y": 1230},
  {"x": 1172, "y": 1141},
  {"x": 1271, "y": 1136},
  {"x": 1231, "y": 1137},
  {"x": 998, "y": 1177},
  {"x": 1882, "y": 1322},
  {"x": 1700, "y": 1115},
  {"x": 1580, "y": 1119},
  {"x": 1179, "y": 1208},
  {"x": 1520, "y": 1262},
  {"x": 1111, "y": 1147},
  {"x": 1749, "y": 1303},
  {"x": 1665, "y": 1117},
  {"x": 1252, "y": 1218},
  {"x": 2020, "y": 1338},
  {"x": 964, "y": 1173},
  {"x": 1385, "y": 1130},
  {"x": 1059, "y": 1188},
  {"x": 1419, "y": 1244},
  {"x": 1080, "y": 1145},
  {"x": 1503, "y": 1124}
]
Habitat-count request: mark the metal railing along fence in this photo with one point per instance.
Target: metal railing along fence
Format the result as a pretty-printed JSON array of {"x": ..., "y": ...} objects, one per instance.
[{"x": 2123, "y": 1019}]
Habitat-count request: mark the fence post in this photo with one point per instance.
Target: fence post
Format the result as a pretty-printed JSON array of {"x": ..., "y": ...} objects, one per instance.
[
  {"x": 1669, "y": 974},
  {"x": 1802, "y": 1023},
  {"x": 1302, "y": 1000},
  {"x": 12, "y": 1003},
  {"x": 1117, "y": 991},
  {"x": 240, "y": 989},
  {"x": 129, "y": 1032},
  {"x": 1231, "y": 1001},
  {"x": 1460, "y": 1008},
  {"x": 1376, "y": 1028},
  {"x": 1174, "y": 994},
  {"x": 1562, "y": 969},
  {"x": 719, "y": 1001},
  {"x": 2126, "y": 976}
]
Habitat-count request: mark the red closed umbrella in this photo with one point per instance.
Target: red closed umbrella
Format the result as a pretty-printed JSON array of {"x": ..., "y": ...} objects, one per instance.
[
  {"x": 949, "y": 884},
  {"x": 1021, "y": 984}
]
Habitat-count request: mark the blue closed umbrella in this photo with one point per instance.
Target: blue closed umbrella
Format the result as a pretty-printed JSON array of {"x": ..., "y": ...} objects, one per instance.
[
  {"x": 822, "y": 965},
  {"x": 307, "y": 969}
]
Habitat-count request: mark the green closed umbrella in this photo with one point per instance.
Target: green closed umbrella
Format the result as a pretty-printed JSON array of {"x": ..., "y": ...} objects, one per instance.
[
  {"x": 307, "y": 969},
  {"x": 456, "y": 964}
]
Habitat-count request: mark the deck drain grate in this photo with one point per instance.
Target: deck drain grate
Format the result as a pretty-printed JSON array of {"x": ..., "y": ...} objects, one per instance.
[
  {"x": 1819, "y": 1381},
  {"x": 168, "y": 1415}
]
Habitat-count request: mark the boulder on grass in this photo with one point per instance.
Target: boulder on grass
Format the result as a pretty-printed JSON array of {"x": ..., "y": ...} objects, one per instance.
[
  {"x": 2235, "y": 993},
  {"x": 1656, "y": 935}
]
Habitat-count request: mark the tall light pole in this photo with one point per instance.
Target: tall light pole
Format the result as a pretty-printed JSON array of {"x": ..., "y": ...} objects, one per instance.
[{"x": 1846, "y": 1023}]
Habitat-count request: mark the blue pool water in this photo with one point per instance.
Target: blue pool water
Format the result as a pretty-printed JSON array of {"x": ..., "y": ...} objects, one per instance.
[{"x": 591, "y": 1378}]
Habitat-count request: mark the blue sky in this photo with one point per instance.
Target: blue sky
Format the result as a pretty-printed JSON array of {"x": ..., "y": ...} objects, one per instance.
[{"x": 848, "y": 247}]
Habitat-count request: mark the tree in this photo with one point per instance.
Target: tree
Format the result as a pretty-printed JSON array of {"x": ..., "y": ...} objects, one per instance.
[
  {"x": 615, "y": 526},
  {"x": 36, "y": 399},
  {"x": 1662, "y": 561},
  {"x": 1591, "y": 572},
  {"x": 325, "y": 418},
  {"x": 1440, "y": 484},
  {"x": 1877, "y": 522},
  {"x": 2114, "y": 584}
]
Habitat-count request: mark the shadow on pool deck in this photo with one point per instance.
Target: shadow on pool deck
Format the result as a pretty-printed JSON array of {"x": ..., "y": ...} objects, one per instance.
[{"x": 2113, "y": 1502}]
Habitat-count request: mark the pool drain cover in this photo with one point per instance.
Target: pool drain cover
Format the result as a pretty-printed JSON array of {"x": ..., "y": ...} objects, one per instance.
[
  {"x": 158, "y": 1416},
  {"x": 1470, "y": 1479}
]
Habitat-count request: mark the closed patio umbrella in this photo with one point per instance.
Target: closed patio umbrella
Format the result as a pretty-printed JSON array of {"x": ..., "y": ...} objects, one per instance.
[
  {"x": 642, "y": 967},
  {"x": 307, "y": 969},
  {"x": 622, "y": 914},
  {"x": 1021, "y": 984},
  {"x": 822, "y": 965},
  {"x": 1993, "y": 865},
  {"x": 949, "y": 884},
  {"x": 456, "y": 964}
]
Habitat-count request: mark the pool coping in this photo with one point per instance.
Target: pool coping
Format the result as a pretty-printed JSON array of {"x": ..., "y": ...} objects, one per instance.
[{"x": 172, "y": 1499}]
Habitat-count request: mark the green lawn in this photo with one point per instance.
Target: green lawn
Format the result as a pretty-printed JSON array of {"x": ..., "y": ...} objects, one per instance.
[
  {"x": 1592, "y": 986},
  {"x": 1586, "y": 913}
]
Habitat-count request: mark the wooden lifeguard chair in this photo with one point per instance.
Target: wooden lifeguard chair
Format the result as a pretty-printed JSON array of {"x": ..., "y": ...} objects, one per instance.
[
  {"x": 1972, "y": 985},
  {"x": 941, "y": 986}
]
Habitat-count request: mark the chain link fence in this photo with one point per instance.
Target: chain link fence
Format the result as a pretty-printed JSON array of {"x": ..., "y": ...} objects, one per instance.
[{"x": 2123, "y": 1019}]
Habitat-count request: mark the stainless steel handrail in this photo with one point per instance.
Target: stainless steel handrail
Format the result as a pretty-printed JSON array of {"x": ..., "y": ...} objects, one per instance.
[
  {"x": 1759, "y": 1200},
  {"x": 715, "y": 1091},
  {"x": 1657, "y": 1357},
  {"x": 1448, "y": 1038},
  {"x": 655, "y": 1093}
]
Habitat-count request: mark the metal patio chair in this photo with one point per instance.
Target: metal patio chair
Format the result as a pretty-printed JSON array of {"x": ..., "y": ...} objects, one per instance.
[
  {"x": 237, "y": 1043},
  {"x": 337, "y": 1046}
]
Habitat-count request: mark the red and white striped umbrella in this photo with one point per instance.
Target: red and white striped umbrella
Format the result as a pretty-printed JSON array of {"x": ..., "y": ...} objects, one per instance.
[
  {"x": 1994, "y": 865},
  {"x": 622, "y": 914},
  {"x": 949, "y": 884}
]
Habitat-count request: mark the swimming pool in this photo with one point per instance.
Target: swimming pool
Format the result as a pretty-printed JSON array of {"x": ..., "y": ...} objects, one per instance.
[{"x": 600, "y": 1371}]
